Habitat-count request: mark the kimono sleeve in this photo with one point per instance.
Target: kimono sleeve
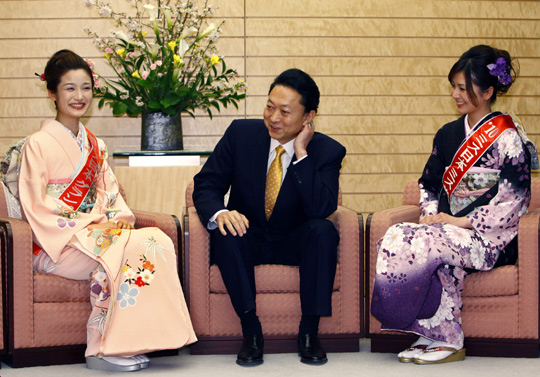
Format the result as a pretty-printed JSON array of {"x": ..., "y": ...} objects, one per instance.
[
  {"x": 108, "y": 193},
  {"x": 497, "y": 222},
  {"x": 430, "y": 181}
]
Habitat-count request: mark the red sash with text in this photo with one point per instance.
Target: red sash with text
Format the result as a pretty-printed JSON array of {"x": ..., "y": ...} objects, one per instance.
[
  {"x": 473, "y": 148},
  {"x": 77, "y": 190}
]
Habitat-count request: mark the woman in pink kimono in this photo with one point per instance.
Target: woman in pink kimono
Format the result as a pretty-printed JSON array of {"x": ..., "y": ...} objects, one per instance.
[
  {"x": 83, "y": 229},
  {"x": 474, "y": 188}
]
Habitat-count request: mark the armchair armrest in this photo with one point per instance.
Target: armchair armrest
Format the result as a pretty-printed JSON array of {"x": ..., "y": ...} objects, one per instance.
[
  {"x": 347, "y": 223},
  {"x": 16, "y": 241},
  {"x": 376, "y": 226},
  {"x": 197, "y": 268},
  {"x": 528, "y": 273},
  {"x": 350, "y": 227},
  {"x": 379, "y": 222}
]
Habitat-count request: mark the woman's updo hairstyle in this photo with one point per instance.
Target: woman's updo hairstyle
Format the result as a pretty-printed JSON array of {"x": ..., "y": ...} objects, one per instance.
[
  {"x": 61, "y": 62},
  {"x": 474, "y": 65}
]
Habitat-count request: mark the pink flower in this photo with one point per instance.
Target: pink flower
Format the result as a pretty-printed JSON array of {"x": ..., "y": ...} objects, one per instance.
[
  {"x": 109, "y": 50},
  {"x": 144, "y": 74},
  {"x": 159, "y": 63},
  {"x": 131, "y": 55},
  {"x": 152, "y": 66},
  {"x": 96, "y": 82},
  {"x": 90, "y": 63}
]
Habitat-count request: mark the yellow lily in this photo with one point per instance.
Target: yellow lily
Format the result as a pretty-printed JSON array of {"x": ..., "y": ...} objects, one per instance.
[
  {"x": 121, "y": 52},
  {"x": 108, "y": 56},
  {"x": 136, "y": 75},
  {"x": 172, "y": 45},
  {"x": 215, "y": 59},
  {"x": 177, "y": 60}
]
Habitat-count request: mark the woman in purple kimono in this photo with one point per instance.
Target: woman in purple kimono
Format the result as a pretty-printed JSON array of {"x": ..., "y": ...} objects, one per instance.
[{"x": 474, "y": 188}]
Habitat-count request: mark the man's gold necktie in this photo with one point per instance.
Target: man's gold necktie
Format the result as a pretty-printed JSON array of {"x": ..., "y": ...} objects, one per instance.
[{"x": 273, "y": 182}]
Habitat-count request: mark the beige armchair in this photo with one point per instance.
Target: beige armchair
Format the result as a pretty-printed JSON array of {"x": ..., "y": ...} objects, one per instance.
[
  {"x": 278, "y": 298},
  {"x": 47, "y": 314},
  {"x": 500, "y": 307}
]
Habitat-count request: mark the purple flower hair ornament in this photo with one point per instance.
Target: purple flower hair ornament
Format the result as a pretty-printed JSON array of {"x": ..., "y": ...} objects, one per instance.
[{"x": 499, "y": 69}]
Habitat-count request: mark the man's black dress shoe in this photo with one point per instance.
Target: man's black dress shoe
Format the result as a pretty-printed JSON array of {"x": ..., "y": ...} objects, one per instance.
[
  {"x": 251, "y": 352},
  {"x": 310, "y": 350}
]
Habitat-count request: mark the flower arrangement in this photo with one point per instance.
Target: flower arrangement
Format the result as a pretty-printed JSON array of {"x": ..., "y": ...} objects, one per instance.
[{"x": 166, "y": 60}]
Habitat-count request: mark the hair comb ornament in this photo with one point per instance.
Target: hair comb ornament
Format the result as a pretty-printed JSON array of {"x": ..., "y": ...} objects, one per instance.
[
  {"x": 499, "y": 69},
  {"x": 95, "y": 76},
  {"x": 41, "y": 77}
]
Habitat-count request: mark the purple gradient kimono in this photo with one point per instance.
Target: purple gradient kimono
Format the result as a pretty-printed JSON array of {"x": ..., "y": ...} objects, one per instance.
[{"x": 421, "y": 268}]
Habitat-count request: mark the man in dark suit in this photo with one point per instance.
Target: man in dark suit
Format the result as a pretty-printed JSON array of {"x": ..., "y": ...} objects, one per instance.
[{"x": 256, "y": 228}]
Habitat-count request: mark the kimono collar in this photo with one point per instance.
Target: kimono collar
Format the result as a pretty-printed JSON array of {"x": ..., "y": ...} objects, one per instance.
[
  {"x": 74, "y": 151},
  {"x": 79, "y": 138},
  {"x": 468, "y": 128}
]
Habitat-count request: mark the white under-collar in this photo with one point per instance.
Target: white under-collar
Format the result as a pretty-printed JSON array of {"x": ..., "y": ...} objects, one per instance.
[
  {"x": 289, "y": 146},
  {"x": 468, "y": 128}
]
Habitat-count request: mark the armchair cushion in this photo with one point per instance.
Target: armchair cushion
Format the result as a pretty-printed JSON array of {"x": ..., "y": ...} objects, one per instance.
[
  {"x": 269, "y": 278},
  {"x": 502, "y": 281},
  {"x": 50, "y": 288}
]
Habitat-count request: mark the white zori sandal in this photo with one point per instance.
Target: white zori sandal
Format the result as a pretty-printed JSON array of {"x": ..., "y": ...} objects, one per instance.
[
  {"x": 117, "y": 363},
  {"x": 144, "y": 360},
  {"x": 438, "y": 353},
  {"x": 407, "y": 356}
]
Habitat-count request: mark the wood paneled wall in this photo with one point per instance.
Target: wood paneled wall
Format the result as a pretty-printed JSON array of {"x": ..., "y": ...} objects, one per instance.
[{"x": 381, "y": 66}]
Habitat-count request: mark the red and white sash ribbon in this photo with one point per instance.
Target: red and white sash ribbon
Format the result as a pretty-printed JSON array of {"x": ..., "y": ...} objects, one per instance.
[
  {"x": 473, "y": 148},
  {"x": 79, "y": 187}
]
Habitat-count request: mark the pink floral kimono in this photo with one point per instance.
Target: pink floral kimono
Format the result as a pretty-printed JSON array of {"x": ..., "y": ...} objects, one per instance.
[{"x": 137, "y": 301}]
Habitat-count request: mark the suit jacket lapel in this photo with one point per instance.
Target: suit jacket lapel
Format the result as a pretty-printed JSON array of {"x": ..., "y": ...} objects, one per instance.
[
  {"x": 286, "y": 195},
  {"x": 258, "y": 152}
]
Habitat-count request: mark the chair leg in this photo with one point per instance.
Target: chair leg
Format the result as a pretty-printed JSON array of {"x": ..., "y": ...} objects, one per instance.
[{"x": 31, "y": 357}]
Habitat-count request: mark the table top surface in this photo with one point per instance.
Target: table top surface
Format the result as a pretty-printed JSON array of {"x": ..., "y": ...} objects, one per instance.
[{"x": 182, "y": 152}]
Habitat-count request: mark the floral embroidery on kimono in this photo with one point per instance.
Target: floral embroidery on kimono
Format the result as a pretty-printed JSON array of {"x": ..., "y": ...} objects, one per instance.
[{"x": 152, "y": 246}]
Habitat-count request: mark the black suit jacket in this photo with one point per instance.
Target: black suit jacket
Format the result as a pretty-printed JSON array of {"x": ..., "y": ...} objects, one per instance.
[{"x": 239, "y": 161}]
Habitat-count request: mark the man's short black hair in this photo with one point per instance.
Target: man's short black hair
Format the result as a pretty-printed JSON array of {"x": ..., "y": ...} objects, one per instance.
[{"x": 301, "y": 82}]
